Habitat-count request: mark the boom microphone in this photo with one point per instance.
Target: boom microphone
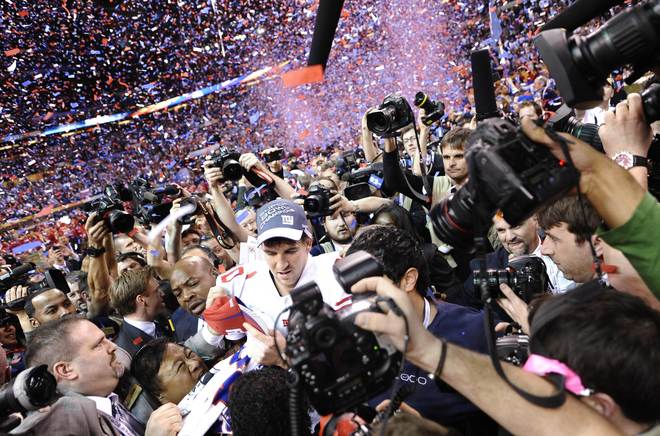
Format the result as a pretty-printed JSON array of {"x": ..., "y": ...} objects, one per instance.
[
  {"x": 482, "y": 83},
  {"x": 327, "y": 18},
  {"x": 580, "y": 13}
]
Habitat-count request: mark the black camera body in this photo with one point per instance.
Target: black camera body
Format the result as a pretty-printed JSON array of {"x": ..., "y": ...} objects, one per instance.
[
  {"x": 434, "y": 109},
  {"x": 339, "y": 364},
  {"x": 526, "y": 276},
  {"x": 272, "y": 155},
  {"x": 393, "y": 114},
  {"x": 361, "y": 180},
  {"x": 580, "y": 65},
  {"x": 52, "y": 278},
  {"x": 109, "y": 208},
  {"x": 32, "y": 389},
  {"x": 227, "y": 160},
  {"x": 152, "y": 204},
  {"x": 317, "y": 203},
  {"x": 508, "y": 172}
]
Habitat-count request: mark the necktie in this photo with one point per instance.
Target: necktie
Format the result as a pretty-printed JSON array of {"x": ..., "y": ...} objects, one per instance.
[{"x": 123, "y": 420}]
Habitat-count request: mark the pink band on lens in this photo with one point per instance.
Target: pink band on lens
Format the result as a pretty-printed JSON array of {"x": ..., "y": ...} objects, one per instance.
[{"x": 542, "y": 365}]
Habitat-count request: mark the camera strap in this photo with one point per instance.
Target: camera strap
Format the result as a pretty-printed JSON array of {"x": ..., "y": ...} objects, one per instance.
[
  {"x": 549, "y": 402},
  {"x": 221, "y": 233}
]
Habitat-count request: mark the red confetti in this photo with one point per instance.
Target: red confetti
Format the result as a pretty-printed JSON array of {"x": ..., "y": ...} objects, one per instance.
[
  {"x": 23, "y": 13},
  {"x": 13, "y": 52}
]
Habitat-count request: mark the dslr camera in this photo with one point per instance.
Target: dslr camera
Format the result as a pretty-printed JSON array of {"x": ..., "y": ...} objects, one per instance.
[
  {"x": 109, "y": 208},
  {"x": 272, "y": 155},
  {"x": 526, "y": 275},
  {"x": 508, "y": 172},
  {"x": 317, "y": 203},
  {"x": 227, "y": 160},
  {"x": 393, "y": 114},
  {"x": 434, "y": 109},
  {"x": 338, "y": 364}
]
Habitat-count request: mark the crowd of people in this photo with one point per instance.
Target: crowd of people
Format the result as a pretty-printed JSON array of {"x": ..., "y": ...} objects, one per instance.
[
  {"x": 218, "y": 293},
  {"x": 102, "y": 67}
]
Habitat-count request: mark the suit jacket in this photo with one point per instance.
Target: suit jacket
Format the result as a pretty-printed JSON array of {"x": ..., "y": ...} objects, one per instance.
[
  {"x": 131, "y": 339},
  {"x": 71, "y": 415}
]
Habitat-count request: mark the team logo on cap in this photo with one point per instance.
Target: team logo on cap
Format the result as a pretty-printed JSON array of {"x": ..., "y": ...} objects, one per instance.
[{"x": 287, "y": 220}]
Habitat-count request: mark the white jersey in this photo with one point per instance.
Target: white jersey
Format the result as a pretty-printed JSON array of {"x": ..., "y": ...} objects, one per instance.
[{"x": 254, "y": 286}]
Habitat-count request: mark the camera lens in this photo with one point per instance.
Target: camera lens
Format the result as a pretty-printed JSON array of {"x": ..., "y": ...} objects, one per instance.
[
  {"x": 120, "y": 222},
  {"x": 452, "y": 219},
  {"x": 379, "y": 122},
  {"x": 232, "y": 170}
]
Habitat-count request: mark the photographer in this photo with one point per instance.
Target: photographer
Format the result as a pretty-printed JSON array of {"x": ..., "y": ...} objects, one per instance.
[
  {"x": 631, "y": 214},
  {"x": 473, "y": 375},
  {"x": 404, "y": 264},
  {"x": 40, "y": 307}
]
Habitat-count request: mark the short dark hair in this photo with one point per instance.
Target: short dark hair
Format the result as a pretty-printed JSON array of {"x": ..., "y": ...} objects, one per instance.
[
  {"x": 29, "y": 306},
  {"x": 79, "y": 277},
  {"x": 456, "y": 138},
  {"x": 582, "y": 219},
  {"x": 259, "y": 404},
  {"x": 400, "y": 214},
  {"x": 51, "y": 342},
  {"x": 610, "y": 339},
  {"x": 397, "y": 250},
  {"x": 146, "y": 364},
  {"x": 138, "y": 257}
]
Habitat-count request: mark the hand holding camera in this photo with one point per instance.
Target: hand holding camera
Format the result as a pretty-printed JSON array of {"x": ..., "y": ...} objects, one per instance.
[
  {"x": 422, "y": 345},
  {"x": 96, "y": 230},
  {"x": 626, "y": 130},
  {"x": 213, "y": 175},
  {"x": 15, "y": 299},
  {"x": 514, "y": 306}
]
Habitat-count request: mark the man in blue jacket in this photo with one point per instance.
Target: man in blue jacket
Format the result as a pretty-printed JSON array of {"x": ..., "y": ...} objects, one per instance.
[{"x": 405, "y": 265}]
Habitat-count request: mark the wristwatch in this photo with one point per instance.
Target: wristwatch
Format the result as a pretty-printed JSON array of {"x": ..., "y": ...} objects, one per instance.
[
  {"x": 94, "y": 252},
  {"x": 628, "y": 160}
]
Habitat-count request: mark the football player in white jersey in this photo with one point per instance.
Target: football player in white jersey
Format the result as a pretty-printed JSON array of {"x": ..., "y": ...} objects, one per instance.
[{"x": 265, "y": 286}]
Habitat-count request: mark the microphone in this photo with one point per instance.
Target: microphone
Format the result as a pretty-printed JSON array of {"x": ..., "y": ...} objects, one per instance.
[
  {"x": 482, "y": 83},
  {"x": 580, "y": 13},
  {"x": 18, "y": 271}
]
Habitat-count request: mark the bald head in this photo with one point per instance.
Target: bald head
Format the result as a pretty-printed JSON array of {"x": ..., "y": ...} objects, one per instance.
[{"x": 191, "y": 280}]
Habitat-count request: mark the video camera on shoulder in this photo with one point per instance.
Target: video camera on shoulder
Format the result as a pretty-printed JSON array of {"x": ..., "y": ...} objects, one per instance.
[
  {"x": 339, "y": 365},
  {"x": 152, "y": 204},
  {"x": 581, "y": 64},
  {"x": 362, "y": 180},
  {"x": 25, "y": 275},
  {"x": 110, "y": 208}
]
